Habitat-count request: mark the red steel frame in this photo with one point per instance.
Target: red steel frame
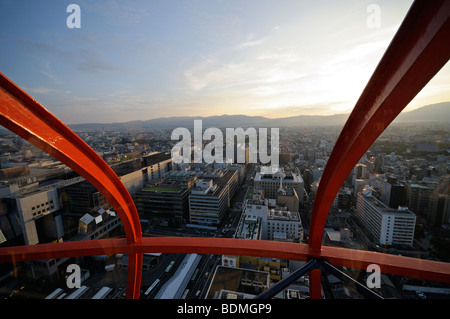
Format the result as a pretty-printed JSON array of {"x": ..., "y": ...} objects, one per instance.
[{"x": 418, "y": 51}]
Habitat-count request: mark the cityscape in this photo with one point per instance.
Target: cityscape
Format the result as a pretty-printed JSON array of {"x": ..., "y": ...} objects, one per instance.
[
  {"x": 396, "y": 201},
  {"x": 225, "y": 125}
]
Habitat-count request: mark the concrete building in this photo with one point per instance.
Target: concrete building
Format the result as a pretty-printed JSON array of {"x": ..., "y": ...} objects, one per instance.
[
  {"x": 439, "y": 209},
  {"x": 237, "y": 283},
  {"x": 249, "y": 228},
  {"x": 287, "y": 197},
  {"x": 343, "y": 199},
  {"x": 275, "y": 220},
  {"x": 418, "y": 198},
  {"x": 211, "y": 197},
  {"x": 387, "y": 226},
  {"x": 165, "y": 203},
  {"x": 135, "y": 174},
  {"x": 270, "y": 183},
  {"x": 36, "y": 210},
  {"x": 208, "y": 203},
  {"x": 284, "y": 225},
  {"x": 272, "y": 266}
]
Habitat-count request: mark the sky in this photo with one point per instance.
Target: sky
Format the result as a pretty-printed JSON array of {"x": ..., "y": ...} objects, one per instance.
[{"x": 146, "y": 59}]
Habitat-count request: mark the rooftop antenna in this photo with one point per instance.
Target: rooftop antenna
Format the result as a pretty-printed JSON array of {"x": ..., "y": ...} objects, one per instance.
[{"x": 280, "y": 173}]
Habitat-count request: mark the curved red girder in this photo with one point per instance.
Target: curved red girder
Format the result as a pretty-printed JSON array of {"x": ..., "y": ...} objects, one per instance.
[
  {"x": 24, "y": 116},
  {"x": 418, "y": 51},
  {"x": 375, "y": 109},
  {"x": 355, "y": 259}
]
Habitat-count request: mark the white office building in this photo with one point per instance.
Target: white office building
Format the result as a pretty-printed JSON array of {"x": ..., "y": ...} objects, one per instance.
[
  {"x": 277, "y": 223},
  {"x": 388, "y": 226}
]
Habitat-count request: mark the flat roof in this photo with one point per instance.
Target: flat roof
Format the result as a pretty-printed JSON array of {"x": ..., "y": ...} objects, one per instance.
[
  {"x": 174, "y": 288},
  {"x": 386, "y": 209},
  {"x": 237, "y": 279},
  {"x": 288, "y": 178}
]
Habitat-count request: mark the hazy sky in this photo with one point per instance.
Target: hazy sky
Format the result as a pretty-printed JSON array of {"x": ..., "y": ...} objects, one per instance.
[{"x": 146, "y": 59}]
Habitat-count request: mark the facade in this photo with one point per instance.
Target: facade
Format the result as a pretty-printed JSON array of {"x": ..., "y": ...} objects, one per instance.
[
  {"x": 135, "y": 174},
  {"x": 166, "y": 203},
  {"x": 418, "y": 198},
  {"x": 343, "y": 199},
  {"x": 439, "y": 210},
  {"x": 37, "y": 212},
  {"x": 231, "y": 282},
  {"x": 211, "y": 197},
  {"x": 284, "y": 225},
  {"x": 208, "y": 203},
  {"x": 276, "y": 222},
  {"x": 81, "y": 197},
  {"x": 388, "y": 226},
  {"x": 287, "y": 197},
  {"x": 270, "y": 183}
]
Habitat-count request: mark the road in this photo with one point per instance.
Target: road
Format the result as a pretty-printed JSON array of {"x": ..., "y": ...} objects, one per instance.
[{"x": 205, "y": 269}]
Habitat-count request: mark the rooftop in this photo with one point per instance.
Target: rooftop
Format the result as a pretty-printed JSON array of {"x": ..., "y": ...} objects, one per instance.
[
  {"x": 386, "y": 209},
  {"x": 288, "y": 177},
  {"x": 238, "y": 280}
]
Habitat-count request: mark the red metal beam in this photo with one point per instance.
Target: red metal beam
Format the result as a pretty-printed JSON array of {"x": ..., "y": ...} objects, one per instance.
[
  {"x": 417, "y": 52},
  {"x": 356, "y": 259},
  {"x": 134, "y": 275},
  {"x": 24, "y": 116}
]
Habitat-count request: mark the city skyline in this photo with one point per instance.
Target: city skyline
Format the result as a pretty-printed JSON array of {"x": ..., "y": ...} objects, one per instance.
[{"x": 134, "y": 60}]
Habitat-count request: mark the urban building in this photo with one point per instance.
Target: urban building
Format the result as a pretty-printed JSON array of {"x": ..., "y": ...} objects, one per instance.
[
  {"x": 230, "y": 282},
  {"x": 208, "y": 203},
  {"x": 211, "y": 197},
  {"x": 276, "y": 222},
  {"x": 387, "y": 226},
  {"x": 270, "y": 183},
  {"x": 343, "y": 199},
  {"x": 38, "y": 214},
  {"x": 418, "y": 198},
  {"x": 272, "y": 266},
  {"x": 439, "y": 209},
  {"x": 165, "y": 203},
  {"x": 287, "y": 197}
]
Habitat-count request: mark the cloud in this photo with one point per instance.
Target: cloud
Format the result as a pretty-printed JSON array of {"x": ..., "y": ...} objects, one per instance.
[
  {"x": 41, "y": 90},
  {"x": 251, "y": 43},
  {"x": 116, "y": 12},
  {"x": 37, "y": 47},
  {"x": 89, "y": 61}
]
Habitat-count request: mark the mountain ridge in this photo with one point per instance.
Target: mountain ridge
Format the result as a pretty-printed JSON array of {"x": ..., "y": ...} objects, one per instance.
[{"x": 438, "y": 112}]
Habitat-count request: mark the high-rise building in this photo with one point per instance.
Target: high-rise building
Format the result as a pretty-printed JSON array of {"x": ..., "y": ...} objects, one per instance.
[
  {"x": 211, "y": 197},
  {"x": 270, "y": 183},
  {"x": 166, "y": 203},
  {"x": 287, "y": 197},
  {"x": 208, "y": 203},
  {"x": 418, "y": 198},
  {"x": 439, "y": 209},
  {"x": 277, "y": 223},
  {"x": 37, "y": 211},
  {"x": 387, "y": 226}
]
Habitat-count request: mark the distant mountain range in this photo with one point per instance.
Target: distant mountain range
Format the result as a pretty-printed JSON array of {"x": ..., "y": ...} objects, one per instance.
[{"x": 439, "y": 112}]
